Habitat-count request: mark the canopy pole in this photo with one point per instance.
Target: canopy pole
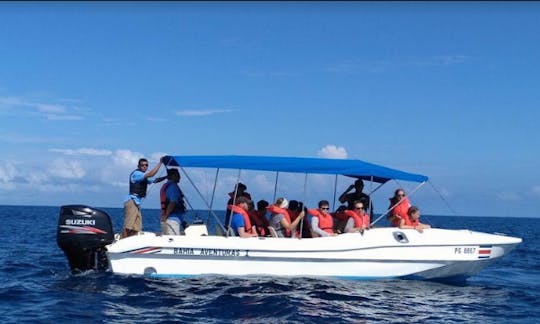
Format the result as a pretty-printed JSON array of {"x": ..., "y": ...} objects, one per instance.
[
  {"x": 303, "y": 201},
  {"x": 335, "y": 191},
  {"x": 204, "y": 200},
  {"x": 275, "y": 187},
  {"x": 392, "y": 207},
  {"x": 213, "y": 192},
  {"x": 442, "y": 197},
  {"x": 370, "y": 207},
  {"x": 379, "y": 186}
]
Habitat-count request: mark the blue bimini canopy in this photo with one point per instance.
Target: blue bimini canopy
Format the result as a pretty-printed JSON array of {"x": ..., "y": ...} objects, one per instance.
[{"x": 351, "y": 168}]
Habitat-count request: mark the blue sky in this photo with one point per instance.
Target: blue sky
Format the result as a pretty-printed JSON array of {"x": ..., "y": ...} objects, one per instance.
[{"x": 449, "y": 90}]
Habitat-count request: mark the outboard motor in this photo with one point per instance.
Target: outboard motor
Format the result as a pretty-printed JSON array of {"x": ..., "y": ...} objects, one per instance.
[{"x": 83, "y": 232}]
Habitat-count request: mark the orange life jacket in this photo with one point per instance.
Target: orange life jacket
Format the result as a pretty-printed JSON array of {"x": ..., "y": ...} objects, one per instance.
[
  {"x": 401, "y": 210},
  {"x": 274, "y": 210},
  {"x": 359, "y": 220},
  {"x": 239, "y": 210},
  {"x": 415, "y": 222},
  {"x": 326, "y": 222}
]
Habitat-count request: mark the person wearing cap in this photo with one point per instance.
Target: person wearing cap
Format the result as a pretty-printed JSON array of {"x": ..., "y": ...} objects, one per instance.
[
  {"x": 281, "y": 220},
  {"x": 173, "y": 207},
  {"x": 357, "y": 195},
  {"x": 239, "y": 191}
]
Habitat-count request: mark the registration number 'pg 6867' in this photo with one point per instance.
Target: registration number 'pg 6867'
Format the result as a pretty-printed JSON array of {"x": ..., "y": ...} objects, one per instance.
[{"x": 464, "y": 250}]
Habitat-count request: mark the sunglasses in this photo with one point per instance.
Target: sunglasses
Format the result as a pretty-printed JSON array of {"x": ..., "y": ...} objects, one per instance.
[
  {"x": 325, "y": 208},
  {"x": 358, "y": 208}
]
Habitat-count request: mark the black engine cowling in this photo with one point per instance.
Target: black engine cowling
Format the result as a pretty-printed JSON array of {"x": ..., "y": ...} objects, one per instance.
[{"x": 83, "y": 232}]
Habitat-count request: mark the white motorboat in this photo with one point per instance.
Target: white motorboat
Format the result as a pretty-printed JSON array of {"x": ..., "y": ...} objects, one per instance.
[{"x": 86, "y": 236}]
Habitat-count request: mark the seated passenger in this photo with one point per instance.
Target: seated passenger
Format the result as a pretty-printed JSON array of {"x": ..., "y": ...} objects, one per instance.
[
  {"x": 294, "y": 210},
  {"x": 399, "y": 205},
  {"x": 322, "y": 223},
  {"x": 358, "y": 219},
  {"x": 413, "y": 220},
  {"x": 340, "y": 219},
  {"x": 280, "y": 219},
  {"x": 258, "y": 217},
  {"x": 240, "y": 222},
  {"x": 240, "y": 191}
]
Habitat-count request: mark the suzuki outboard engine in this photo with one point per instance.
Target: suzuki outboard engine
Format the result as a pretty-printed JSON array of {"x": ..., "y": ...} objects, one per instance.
[{"x": 83, "y": 233}]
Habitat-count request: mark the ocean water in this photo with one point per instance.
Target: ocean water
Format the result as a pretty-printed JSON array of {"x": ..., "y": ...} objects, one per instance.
[{"x": 36, "y": 285}]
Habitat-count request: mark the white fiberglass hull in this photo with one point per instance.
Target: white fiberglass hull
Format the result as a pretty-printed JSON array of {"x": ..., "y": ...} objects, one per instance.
[{"x": 378, "y": 253}]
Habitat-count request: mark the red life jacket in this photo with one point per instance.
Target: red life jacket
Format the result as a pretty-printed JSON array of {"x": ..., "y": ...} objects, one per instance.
[
  {"x": 260, "y": 221},
  {"x": 239, "y": 210},
  {"x": 401, "y": 210},
  {"x": 163, "y": 198},
  {"x": 326, "y": 222},
  {"x": 415, "y": 222},
  {"x": 359, "y": 220},
  {"x": 274, "y": 210},
  {"x": 293, "y": 214},
  {"x": 178, "y": 208},
  {"x": 341, "y": 216}
]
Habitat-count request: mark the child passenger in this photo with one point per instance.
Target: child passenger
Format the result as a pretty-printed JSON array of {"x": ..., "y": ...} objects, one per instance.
[{"x": 413, "y": 220}]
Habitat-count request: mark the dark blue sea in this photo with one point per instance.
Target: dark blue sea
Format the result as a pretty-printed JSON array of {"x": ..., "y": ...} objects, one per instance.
[{"x": 36, "y": 285}]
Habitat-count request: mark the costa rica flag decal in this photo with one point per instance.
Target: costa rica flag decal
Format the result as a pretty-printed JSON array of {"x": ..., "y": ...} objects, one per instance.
[{"x": 484, "y": 251}]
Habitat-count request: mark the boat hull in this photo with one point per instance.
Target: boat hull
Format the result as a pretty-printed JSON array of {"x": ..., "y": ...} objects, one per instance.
[{"x": 378, "y": 253}]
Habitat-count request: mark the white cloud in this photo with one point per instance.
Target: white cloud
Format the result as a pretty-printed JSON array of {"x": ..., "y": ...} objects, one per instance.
[
  {"x": 354, "y": 66},
  {"x": 74, "y": 173},
  {"x": 440, "y": 60},
  {"x": 36, "y": 179},
  {"x": 66, "y": 169},
  {"x": 7, "y": 186},
  {"x": 509, "y": 196},
  {"x": 156, "y": 119},
  {"x": 50, "y": 111},
  {"x": 261, "y": 73},
  {"x": 203, "y": 112},
  {"x": 7, "y": 174},
  {"x": 333, "y": 152},
  {"x": 19, "y": 138},
  {"x": 126, "y": 158},
  {"x": 157, "y": 155},
  {"x": 63, "y": 117},
  {"x": 358, "y": 66},
  {"x": 83, "y": 151},
  {"x": 263, "y": 184},
  {"x": 49, "y": 108}
]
